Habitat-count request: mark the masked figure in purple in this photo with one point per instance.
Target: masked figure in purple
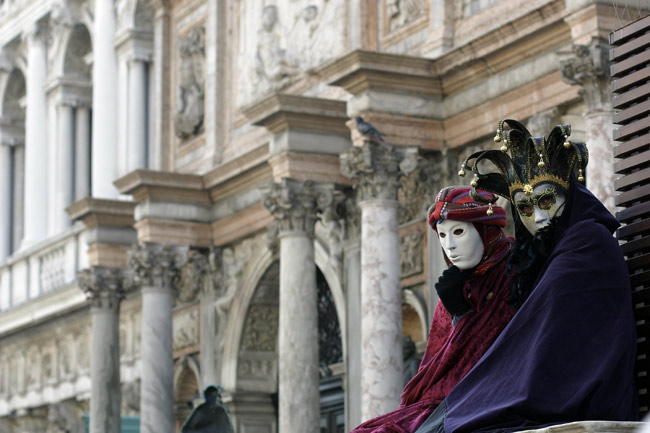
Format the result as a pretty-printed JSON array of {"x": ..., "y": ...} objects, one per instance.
[
  {"x": 473, "y": 308},
  {"x": 568, "y": 353}
]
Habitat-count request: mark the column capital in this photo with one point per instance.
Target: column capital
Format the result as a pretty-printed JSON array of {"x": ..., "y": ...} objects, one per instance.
[
  {"x": 105, "y": 287},
  {"x": 37, "y": 31},
  {"x": 293, "y": 205},
  {"x": 376, "y": 168},
  {"x": 588, "y": 66},
  {"x": 157, "y": 265}
]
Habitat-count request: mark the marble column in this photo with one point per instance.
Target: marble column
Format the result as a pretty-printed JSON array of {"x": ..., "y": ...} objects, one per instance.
[
  {"x": 36, "y": 148},
  {"x": 104, "y": 132},
  {"x": 157, "y": 269},
  {"x": 588, "y": 67},
  {"x": 104, "y": 288},
  {"x": 161, "y": 105},
  {"x": 64, "y": 192},
  {"x": 82, "y": 153},
  {"x": 375, "y": 168},
  {"x": 293, "y": 205},
  {"x": 6, "y": 185},
  {"x": 138, "y": 123}
]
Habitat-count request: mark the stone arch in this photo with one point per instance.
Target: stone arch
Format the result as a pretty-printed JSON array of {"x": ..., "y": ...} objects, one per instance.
[
  {"x": 186, "y": 387},
  {"x": 333, "y": 279},
  {"x": 252, "y": 274}
]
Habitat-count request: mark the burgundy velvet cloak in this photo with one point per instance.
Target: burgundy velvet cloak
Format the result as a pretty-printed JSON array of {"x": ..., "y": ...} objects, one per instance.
[{"x": 452, "y": 351}]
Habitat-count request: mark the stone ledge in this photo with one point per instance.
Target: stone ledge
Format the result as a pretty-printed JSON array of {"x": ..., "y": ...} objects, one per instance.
[
  {"x": 592, "y": 427},
  {"x": 361, "y": 70},
  {"x": 166, "y": 186},
  {"x": 95, "y": 212},
  {"x": 281, "y": 111}
]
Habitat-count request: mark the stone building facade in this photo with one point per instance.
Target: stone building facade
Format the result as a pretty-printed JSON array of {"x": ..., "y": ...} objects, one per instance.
[{"x": 187, "y": 201}]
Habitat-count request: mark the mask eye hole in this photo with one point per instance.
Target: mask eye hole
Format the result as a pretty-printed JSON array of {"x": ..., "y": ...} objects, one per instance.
[
  {"x": 525, "y": 209},
  {"x": 458, "y": 232},
  {"x": 546, "y": 201},
  {"x": 442, "y": 234}
]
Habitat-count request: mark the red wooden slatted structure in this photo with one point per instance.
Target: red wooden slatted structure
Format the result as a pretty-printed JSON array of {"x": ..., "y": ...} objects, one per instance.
[{"x": 630, "y": 71}]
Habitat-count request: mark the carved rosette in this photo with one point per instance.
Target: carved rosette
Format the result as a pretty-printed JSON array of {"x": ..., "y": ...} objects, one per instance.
[
  {"x": 104, "y": 287},
  {"x": 588, "y": 67},
  {"x": 376, "y": 167},
  {"x": 156, "y": 265},
  {"x": 293, "y": 205}
]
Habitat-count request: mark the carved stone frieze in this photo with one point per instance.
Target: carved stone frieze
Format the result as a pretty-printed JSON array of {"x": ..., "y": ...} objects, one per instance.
[
  {"x": 256, "y": 368},
  {"x": 104, "y": 287},
  {"x": 65, "y": 359},
  {"x": 260, "y": 330},
  {"x": 32, "y": 374},
  {"x": 194, "y": 277},
  {"x": 375, "y": 168},
  {"x": 588, "y": 67},
  {"x": 189, "y": 109},
  {"x": 411, "y": 248},
  {"x": 186, "y": 329},
  {"x": 403, "y": 12},
  {"x": 281, "y": 43},
  {"x": 3, "y": 377},
  {"x": 293, "y": 205},
  {"x": 417, "y": 190},
  {"x": 157, "y": 265}
]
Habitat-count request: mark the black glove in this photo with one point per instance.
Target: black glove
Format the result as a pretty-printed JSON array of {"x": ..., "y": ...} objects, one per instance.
[{"x": 450, "y": 290}]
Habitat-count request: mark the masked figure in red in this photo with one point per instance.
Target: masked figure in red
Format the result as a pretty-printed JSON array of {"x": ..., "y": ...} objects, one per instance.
[{"x": 473, "y": 306}]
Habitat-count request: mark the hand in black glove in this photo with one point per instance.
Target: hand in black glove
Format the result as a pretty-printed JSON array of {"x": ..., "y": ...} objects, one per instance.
[{"x": 450, "y": 290}]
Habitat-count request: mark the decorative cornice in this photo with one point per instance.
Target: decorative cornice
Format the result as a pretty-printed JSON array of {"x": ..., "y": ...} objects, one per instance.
[
  {"x": 105, "y": 287},
  {"x": 148, "y": 184},
  {"x": 98, "y": 212},
  {"x": 157, "y": 265},
  {"x": 376, "y": 167}
]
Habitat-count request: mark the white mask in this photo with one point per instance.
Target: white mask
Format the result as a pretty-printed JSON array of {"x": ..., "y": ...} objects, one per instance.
[
  {"x": 461, "y": 242},
  {"x": 538, "y": 209}
]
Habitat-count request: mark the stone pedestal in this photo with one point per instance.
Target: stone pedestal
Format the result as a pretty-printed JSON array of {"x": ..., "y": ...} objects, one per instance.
[
  {"x": 375, "y": 168},
  {"x": 293, "y": 205},
  {"x": 36, "y": 149},
  {"x": 156, "y": 267},
  {"x": 104, "y": 288}
]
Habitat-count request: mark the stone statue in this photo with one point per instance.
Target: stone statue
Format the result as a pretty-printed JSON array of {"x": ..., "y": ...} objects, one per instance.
[
  {"x": 212, "y": 416},
  {"x": 188, "y": 113}
]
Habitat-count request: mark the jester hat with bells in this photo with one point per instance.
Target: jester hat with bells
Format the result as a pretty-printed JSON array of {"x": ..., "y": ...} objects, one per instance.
[{"x": 532, "y": 160}]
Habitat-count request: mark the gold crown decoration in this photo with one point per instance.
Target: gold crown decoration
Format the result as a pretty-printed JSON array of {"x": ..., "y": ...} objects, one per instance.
[{"x": 524, "y": 161}]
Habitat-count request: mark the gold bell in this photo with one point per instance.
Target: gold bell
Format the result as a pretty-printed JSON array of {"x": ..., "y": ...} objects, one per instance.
[
  {"x": 541, "y": 161},
  {"x": 490, "y": 211},
  {"x": 461, "y": 172},
  {"x": 581, "y": 178},
  {"x": 504, "y": 148},
  {"x": 497, "y": 138},
  {"x": 567, "y": 144},
  {"x": 473, "y": 182}
]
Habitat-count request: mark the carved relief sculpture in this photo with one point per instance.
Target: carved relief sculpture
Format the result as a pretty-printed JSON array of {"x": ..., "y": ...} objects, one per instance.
[
  {"x": 189, "y": 109},
  {"x": 410, "y": 248},
  {"x": 186, "y": 329},
  {"x": 403, "y": 12}
]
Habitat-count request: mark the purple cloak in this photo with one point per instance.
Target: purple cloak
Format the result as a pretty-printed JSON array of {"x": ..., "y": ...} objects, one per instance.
[{"x": 568, "y": 354}]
